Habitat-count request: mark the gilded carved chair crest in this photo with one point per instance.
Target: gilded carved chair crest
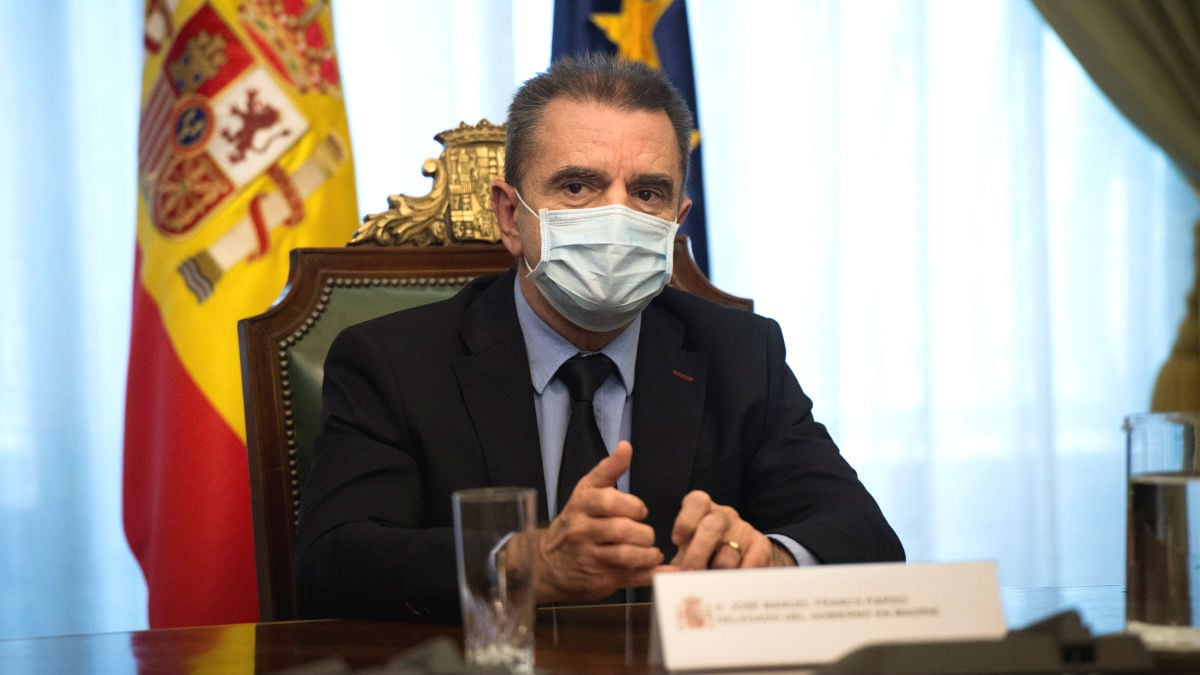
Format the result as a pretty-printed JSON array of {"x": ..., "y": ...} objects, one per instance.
[{"x": 457, "y": 208}]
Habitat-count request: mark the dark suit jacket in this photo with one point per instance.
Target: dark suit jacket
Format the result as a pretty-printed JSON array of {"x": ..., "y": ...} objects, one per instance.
[{"x": 430, "y": 400}]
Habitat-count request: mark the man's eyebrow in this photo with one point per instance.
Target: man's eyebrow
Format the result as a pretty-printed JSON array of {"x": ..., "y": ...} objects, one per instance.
[
  {"x": 570, "y": 173},
  {"x": 662, "y": 181}
]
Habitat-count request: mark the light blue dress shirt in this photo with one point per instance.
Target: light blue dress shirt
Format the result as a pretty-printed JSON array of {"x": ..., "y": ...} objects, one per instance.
[{"x": 613, "y": 401}]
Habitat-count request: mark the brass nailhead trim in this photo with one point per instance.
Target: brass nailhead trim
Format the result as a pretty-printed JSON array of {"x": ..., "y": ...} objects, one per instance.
[{"x": 291, "y": 340}]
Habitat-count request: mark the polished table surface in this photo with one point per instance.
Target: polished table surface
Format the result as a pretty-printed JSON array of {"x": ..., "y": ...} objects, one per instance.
[{"x": 607, "y": 640}]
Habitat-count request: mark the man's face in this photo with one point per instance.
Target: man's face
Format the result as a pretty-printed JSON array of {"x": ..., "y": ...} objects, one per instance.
[{"x": 589, "y": 154}]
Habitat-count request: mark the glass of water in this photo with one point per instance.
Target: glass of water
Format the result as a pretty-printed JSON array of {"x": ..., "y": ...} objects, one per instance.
[
  {"x": 495, "y": 576},
  {"x": 1162, "y": 561}
]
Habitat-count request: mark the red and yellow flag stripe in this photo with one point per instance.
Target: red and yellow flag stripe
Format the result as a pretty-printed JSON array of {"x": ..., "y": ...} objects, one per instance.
[{"x": 244, "y": 154}]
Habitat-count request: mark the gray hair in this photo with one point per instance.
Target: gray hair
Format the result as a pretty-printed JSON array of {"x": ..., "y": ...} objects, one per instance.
[{"x": 599, "y": 78}]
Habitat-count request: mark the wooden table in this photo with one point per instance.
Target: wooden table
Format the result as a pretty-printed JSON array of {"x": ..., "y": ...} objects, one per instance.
[{"x": 599, "y": 640}]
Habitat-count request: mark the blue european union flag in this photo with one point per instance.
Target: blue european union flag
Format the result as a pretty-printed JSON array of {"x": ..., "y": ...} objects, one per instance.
[{"x": 656, "y": 33}]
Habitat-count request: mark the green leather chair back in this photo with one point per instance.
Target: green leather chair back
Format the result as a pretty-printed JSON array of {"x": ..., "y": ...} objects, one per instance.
[
  {"x": 283, "y": 358},
  {"x": 304, "y": 357}
]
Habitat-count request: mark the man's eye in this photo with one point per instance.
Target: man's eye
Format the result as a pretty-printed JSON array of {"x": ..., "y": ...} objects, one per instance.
[
  {"x": 646, "y": 195},
  {"x": 574, "y": 188}
]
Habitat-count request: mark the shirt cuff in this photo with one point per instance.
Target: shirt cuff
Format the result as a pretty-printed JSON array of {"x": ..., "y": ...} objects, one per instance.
[{"x": 802, "y": 555}]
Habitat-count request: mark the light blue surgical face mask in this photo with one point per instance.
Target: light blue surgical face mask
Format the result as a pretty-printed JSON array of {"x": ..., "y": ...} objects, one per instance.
[{"x": 601, "y": 266}]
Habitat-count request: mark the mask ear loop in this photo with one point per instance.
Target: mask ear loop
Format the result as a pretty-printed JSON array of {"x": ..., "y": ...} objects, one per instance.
[
  {"x": 524, "y": 259},
  {"x": 520, "y": 199}
]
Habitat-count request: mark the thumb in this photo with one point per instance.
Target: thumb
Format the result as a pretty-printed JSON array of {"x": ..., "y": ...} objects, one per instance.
[{"x": 608, "y": 470}]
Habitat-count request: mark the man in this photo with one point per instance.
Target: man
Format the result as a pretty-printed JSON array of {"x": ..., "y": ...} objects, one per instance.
[{"x": 715, "y": 462}]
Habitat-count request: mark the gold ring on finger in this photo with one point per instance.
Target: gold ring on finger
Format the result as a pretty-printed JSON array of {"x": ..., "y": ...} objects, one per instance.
[{"x": 737, "y": 548}]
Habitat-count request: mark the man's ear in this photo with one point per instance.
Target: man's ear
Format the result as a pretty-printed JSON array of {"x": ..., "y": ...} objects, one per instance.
[
  {"x": 504, "y": 205},
  {"x": 684, "y": 209}
]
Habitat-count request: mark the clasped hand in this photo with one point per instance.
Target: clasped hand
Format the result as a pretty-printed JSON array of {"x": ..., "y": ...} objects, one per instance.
[{"x": 598, "y": 543}]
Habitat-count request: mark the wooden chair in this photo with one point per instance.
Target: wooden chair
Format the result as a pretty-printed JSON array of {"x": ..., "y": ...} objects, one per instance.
[{"x": 420, "y": 250}]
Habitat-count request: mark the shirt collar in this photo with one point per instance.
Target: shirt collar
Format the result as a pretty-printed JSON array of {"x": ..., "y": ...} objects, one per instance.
[{"x": 548, "y": 350}]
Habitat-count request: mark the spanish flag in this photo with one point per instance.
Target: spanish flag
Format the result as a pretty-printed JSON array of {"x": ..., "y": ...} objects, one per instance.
[
  {"x": 243, "y": 154},
  {"x": 654, "y": 32}
]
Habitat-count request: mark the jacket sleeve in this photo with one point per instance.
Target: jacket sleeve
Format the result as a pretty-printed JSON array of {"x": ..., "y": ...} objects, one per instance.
[
  {"x": 796, "y": 481},
  {"x": 362, "y": 548}
]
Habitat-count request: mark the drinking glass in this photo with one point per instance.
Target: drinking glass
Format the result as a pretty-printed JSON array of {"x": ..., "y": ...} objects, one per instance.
[
  {"x": 495, "y": 577},
  {"x": 1162, "y": 561}
]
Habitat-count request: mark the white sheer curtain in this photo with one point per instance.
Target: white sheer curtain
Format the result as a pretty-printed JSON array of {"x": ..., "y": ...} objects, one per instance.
[
  {"x": 412, "y": 68},
  {"x": 978, "y": 264},
  {"x": 67, "y": 179}
]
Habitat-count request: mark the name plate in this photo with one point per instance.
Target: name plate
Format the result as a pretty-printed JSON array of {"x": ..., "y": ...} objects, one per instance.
[{"x": 814, "y": 615}]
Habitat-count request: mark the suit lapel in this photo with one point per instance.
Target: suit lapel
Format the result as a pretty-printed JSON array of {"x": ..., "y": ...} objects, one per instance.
[
  {"x": 498, "y": 393},
  {"x": 668, "y": 406}
]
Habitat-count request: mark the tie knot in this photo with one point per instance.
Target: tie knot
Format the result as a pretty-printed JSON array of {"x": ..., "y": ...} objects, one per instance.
[{"x": 583, "y": 374}]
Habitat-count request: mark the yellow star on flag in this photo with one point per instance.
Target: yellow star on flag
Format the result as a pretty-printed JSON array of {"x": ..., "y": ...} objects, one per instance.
[{"x": 632, "y": 30}]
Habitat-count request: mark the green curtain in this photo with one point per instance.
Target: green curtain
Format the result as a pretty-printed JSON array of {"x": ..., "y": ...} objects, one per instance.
[{"x": 1145, "y": 56}]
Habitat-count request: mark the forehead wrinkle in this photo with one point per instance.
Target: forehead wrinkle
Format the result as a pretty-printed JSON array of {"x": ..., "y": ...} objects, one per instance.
[{"x": 599, "y": 143}]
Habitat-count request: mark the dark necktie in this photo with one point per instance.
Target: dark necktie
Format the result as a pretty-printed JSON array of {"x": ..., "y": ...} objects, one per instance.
[{"x": 583, "y": 447}]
